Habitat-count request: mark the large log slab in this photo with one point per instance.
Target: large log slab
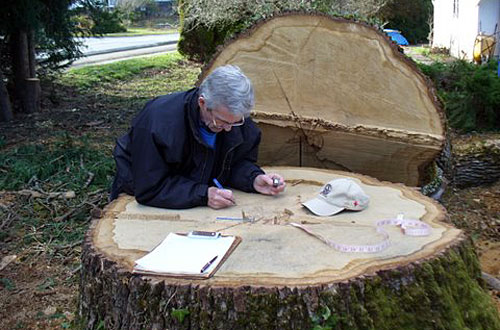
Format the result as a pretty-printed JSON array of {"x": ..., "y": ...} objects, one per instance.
[
  {"x": 281, "y": 278},
  {"x": 337, "y": 94}
]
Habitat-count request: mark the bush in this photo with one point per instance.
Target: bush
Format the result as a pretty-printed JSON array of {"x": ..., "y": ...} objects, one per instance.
[
  {"x": 470, "y": 93},
  {"x": 107, "y": 22},
  {"x": 94, "y": 18},
  {"x": 83, "y": 22}
]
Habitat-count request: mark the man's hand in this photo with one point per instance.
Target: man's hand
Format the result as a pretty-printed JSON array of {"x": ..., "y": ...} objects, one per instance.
[
  {"x": 220, "y": 198},
  {"x": 264, "y": 184}
]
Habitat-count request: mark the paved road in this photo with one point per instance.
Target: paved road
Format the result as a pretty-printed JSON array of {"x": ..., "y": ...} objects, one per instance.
[
  {"x": 123, "y": 55},
  {"x": 111, "y": 49},
  {"x": 94, "y": 46}
]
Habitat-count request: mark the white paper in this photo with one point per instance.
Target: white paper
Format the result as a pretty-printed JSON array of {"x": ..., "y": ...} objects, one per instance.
[{"x": 180, "y": 254}]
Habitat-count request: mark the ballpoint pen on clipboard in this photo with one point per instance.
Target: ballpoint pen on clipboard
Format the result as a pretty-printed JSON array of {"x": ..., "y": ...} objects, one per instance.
[{"x": 208, "y": 264}]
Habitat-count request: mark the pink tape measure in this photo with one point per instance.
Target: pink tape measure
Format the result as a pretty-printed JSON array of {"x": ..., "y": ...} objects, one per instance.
[{"x": 410, "y": 227}]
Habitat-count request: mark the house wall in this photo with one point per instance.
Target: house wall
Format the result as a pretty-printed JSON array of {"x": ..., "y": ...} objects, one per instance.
[{"x": 458, "y": 22}]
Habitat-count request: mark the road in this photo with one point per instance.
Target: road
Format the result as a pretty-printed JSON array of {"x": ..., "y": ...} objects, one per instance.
[
  {"x": 111, "y": 49},
  {"x": 95, "y": 46}
]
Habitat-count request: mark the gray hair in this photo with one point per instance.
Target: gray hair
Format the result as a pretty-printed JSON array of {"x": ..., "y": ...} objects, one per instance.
[{"x": 229, "y": 87}]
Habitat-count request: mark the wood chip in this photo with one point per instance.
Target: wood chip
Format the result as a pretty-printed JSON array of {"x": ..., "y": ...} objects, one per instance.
[{"x": 7, "y": 260}]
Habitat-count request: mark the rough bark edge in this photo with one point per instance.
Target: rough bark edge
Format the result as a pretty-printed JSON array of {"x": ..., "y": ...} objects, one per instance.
[
  {"x": 439, "y": 292},
  {"x": 318, "y": 124},
  {"x": 431, "y": 91}
]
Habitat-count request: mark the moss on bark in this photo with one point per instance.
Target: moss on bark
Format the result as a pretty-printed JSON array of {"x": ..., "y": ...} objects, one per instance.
[{"x": 444, "y": 292}]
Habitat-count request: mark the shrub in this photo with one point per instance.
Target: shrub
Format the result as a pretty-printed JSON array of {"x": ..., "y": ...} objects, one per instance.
[
  {"x": 470, "y": 93},
  {"x": 107, "y": 22}
]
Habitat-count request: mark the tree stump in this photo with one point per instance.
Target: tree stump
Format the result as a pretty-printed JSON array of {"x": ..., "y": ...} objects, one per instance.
[
  {"x": 280, "y": 277},
  {"x": 335, "y": 93}
]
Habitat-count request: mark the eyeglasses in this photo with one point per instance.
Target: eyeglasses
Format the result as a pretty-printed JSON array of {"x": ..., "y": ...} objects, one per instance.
[{"x": 216, "y": 118}]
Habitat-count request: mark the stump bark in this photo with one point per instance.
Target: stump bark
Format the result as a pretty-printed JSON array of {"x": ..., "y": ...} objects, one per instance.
[
  {"x": 476, "y": 161},
  {"x": 334, "y": 93},
  {"x": 281, "y": 278}
]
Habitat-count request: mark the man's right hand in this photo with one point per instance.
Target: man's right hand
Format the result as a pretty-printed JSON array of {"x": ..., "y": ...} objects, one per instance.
[{"x": 220, "y": 198}]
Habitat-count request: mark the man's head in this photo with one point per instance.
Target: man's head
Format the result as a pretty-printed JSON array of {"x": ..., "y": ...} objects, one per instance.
[{"x": 226, "y": 98}]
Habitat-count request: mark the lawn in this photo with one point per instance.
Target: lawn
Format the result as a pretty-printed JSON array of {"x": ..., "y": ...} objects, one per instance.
[{"x": 137, "y": 31}]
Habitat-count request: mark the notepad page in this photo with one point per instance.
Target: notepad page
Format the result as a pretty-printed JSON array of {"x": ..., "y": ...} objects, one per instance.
[{"x": 185, "y": 255}]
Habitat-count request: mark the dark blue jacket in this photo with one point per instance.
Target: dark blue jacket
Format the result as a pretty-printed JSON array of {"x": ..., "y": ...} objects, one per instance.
[{"x": 164, "y": 162}]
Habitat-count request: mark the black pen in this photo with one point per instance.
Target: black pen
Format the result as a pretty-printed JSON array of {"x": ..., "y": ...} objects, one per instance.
[{"x": 208, "y": 264}]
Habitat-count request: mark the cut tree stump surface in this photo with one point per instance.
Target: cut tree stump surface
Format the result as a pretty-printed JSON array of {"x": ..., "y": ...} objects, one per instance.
[{"x": 272, "y": 252}]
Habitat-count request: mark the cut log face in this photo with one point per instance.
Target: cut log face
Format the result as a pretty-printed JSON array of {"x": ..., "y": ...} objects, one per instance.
[
  {"x": 280, "y": 277},
  {"x": 273, "y": 252},
  {"x": 339, "y": 85}
]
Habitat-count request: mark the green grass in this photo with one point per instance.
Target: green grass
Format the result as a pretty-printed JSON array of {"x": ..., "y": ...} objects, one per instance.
[
  {"x": 122, "y": 71},
  {"x": 60, "y": 165},
  {"x": 64, "y": 161},
  {"x": 137, "y": 31}
]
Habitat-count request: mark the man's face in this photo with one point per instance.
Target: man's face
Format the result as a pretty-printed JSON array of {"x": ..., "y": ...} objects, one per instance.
[{"x": 220, "y": 118}]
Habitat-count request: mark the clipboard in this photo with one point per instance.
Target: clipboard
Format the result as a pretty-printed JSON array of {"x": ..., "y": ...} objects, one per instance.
[{"x": 185, "y": 255}]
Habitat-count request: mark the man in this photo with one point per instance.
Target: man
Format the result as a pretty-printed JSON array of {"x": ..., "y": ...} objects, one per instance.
[{"x": 181, "y": 142}]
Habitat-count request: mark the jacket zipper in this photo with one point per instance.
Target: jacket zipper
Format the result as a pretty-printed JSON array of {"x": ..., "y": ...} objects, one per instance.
[{"x": 225, "y": 159}]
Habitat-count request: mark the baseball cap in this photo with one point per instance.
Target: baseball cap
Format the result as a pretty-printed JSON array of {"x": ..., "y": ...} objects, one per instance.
[{"x": 336, "y": 196}]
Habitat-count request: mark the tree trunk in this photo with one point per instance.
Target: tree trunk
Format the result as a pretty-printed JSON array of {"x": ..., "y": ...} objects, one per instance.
[
  {"x": 31, "y": 54},
  {"x": 334, "y": 93},
  {"x": 27, "y": 87},
  {"x": 279, "y": 277},
  {"x": 5, "y": 107}
]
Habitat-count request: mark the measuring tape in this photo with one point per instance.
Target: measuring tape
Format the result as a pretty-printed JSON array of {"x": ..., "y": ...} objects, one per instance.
[{"x": 410, "y": 227}]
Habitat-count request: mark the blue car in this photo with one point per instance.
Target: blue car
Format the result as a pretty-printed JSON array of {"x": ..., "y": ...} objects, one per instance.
[{"x": 397, "y": 37}]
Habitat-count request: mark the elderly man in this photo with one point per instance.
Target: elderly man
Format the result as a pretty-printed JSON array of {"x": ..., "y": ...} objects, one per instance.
[{"x": 181, "y": 142}]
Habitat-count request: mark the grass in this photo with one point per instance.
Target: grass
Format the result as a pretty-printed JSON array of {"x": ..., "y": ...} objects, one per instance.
[
  {"x": 435, "y": 55},
  {"x": 122, "y": 72},
  {"x": 137, "y": 31},
  {"x": 61, "y": 165}
]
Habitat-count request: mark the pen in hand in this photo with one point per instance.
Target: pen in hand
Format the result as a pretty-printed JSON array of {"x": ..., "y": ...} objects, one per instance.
[
  {"x": 208, "y": 264},
  {"x": 217, "y": 183}
]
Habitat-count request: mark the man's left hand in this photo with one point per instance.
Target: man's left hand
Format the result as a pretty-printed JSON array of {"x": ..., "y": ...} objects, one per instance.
[{"x": 263, "y": 183}]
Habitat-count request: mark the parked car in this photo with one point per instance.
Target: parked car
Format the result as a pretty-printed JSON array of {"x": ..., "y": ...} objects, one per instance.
[{"x": 397, "y": 37}]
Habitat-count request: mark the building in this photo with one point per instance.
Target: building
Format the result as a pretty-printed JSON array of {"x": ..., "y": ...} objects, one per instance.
[{"x": 457, "y": 23}]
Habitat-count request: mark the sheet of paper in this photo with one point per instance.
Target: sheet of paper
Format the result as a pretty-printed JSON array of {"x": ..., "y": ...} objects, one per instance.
[{"x": 180, "y": 254}]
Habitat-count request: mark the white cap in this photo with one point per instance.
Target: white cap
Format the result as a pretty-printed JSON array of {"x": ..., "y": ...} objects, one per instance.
[{"x": 336, "y": 196}]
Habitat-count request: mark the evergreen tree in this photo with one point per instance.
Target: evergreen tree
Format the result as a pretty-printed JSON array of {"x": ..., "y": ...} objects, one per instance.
[{"x": 34, "y": 35}]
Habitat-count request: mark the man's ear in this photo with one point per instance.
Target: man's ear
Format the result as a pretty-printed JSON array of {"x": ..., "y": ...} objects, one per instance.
[{"x": 201, "y": 101}]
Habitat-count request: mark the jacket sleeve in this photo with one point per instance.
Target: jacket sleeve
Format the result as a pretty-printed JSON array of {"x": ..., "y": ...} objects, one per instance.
[
  {"x": 155, "y": 183},
  {"x": 244, "y": 170}
]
